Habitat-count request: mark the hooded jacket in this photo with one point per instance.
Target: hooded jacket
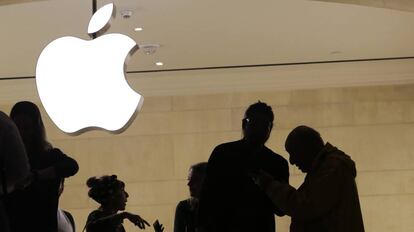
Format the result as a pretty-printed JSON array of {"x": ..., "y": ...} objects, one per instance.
[{"x": 327, "y": 201}]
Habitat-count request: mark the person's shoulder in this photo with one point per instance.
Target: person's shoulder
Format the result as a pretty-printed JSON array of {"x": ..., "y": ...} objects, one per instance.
[
  {"x": 55, "y": 151},
  {"x": 226, "y": 149},
  {"x": 53, "y": 154},
  {"x": 229, "y": 146},
  {"x": 275, "y": 157},
  {"x": 7, "y": 125},
  {"x": 5, "y": 120},
  {"x": 3, "y": 115},
  {"x": 95, "y": 215},
  {"x": 339, "y": 161},
  {"x": 95, "y": 212},
  {"x": 183, "y": 205}
]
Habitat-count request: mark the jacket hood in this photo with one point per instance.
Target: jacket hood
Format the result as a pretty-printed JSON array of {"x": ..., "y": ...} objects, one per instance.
[{"x": 339, "y": 156}]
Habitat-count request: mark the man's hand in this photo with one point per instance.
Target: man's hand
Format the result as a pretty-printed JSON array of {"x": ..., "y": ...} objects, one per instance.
[{"x": 261, "y": 178}]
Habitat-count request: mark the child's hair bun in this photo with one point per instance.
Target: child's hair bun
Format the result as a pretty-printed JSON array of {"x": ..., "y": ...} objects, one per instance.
[{"x": 92, "y": 182}]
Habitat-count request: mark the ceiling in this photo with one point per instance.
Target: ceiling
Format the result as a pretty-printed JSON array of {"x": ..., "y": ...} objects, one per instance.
[
  {"x": 195, "y": 35},
  {"x": 404, "y": 5}
]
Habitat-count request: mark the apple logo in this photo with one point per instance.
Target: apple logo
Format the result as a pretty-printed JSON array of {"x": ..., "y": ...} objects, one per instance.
[{"x": 81, "y": 83}]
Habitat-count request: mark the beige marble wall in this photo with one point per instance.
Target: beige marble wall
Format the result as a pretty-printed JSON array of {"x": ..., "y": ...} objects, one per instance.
[{"x": 375, "y": 125}]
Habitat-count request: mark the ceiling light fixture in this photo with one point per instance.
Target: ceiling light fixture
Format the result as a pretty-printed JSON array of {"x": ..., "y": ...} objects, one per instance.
[
  {"x": 159, "y": 63},
  {"x": 138, "y": 29}
]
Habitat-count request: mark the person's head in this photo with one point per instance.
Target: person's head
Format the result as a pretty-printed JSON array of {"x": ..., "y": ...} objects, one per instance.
[
  {"x": 258, "y": 123},
  {"x": 303, "y": 144},
  {"x": 196, "y": 176},
  {"x": 26, "y": 116},
  {"x": 108, "y": 191}
]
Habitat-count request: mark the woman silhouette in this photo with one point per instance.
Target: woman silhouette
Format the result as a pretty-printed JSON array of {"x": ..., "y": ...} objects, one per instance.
[
  {"x": 34, "y": 208},
  {"x": 109, "y": 192}
]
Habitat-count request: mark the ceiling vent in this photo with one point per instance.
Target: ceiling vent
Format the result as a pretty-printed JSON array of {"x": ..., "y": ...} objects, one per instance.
[
  {"x": 126, "y": 14},
  {"x": 149, "y": 49}
]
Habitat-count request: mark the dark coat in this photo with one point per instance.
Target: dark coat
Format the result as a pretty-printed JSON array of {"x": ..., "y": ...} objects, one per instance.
[
  {"x": 230, "y": 201},
  {"x": 35, "y": 208},
  {"x": 328, "y": 199},
  {"x": 185, "y": 216}
]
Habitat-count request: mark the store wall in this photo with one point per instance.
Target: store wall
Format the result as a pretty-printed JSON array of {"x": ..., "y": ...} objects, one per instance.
[{"x": 374, "y": 125}]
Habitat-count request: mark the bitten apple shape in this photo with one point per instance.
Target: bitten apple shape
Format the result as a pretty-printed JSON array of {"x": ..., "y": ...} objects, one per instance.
[{"x": 81, "y": 83}]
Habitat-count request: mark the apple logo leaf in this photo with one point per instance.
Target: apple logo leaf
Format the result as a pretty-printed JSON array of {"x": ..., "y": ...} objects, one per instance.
[{"x": 101, "y": 20}]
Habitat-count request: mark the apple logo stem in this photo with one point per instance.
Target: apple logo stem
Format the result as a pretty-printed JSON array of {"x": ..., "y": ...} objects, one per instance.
[{"x": 81, "y": 83}]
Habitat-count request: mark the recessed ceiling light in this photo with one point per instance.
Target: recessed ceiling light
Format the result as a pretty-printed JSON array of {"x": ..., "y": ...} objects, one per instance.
[
  {"x": 138, "y": 29},
  {"x": 159, "y": 63}
]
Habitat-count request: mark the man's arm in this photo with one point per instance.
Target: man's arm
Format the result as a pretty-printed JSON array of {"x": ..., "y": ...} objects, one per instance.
[
  {"x": 316, "y": 199},
  {"x": 283, "y": 176},
  {"x": 64, "y": 167}
]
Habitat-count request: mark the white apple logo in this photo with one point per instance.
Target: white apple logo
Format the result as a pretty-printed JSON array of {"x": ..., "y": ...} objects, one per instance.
[{"x": 81, "y": 83}]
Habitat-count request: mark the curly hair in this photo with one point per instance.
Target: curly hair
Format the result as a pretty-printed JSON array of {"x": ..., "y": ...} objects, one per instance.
[{"x": 101, "y": 189}]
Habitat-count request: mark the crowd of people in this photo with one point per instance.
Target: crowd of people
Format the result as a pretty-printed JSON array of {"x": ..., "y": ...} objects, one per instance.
[{"x": 241, "y": 188}]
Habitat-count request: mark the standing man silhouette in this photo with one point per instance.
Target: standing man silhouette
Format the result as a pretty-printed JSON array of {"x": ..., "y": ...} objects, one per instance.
[
  {"x": 328, "y": 198},
  {"x": 230, "y": 200}
]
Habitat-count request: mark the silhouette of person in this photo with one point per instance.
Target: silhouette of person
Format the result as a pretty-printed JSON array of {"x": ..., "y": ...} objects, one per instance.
[
  {"x": 35, "y": 207},
  {"x": 65, "y": 220},
  {"x": 110, "y": 193},
  {"x": 230, "y": 200},
  {"x": 186, "y": 211},
  {"x": 14, "y": 165},
  {"x": 328, "y": 198}
]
